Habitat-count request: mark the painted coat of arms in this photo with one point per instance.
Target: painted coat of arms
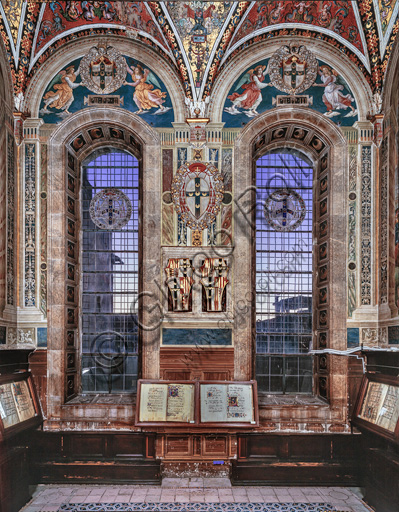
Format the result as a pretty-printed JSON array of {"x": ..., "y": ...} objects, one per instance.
[
  {"x": 103, "y": 70},
  {"x": 214, "y": 281},
  {"x": 197, "y": 191},
  {"x": 293, "y": 69},
  {"x": 179, "y": 279}
]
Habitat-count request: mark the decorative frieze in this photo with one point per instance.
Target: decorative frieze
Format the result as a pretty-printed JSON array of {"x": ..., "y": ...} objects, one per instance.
[
  {"x": 366, "y": 176},
  {"x": 43, "y": 230},
  {"x": 10, "y": 219},
  {"x": 30, "y": 224},
  {"x": 383, "y": 231},
  {"x": 352, "y": 230},
  {"x": 25, "y": 336}
]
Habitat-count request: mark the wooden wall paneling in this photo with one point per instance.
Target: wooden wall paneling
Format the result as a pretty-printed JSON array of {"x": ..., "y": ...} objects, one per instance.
[
  {"x": 197, "y": 446},
  {"x": 382, "y": 480},
  {"x": 38, "y": 368},
  {"x": 301, "y": 459},
  {"x": 197, "y": 363},
  {"x": 14, "y": 475},
  {"x": 60, "y": 457}
]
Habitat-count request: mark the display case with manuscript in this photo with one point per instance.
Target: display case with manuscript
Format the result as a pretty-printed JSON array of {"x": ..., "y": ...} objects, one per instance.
[
  {"x": 377, "y": 407},
  {"x": 201, "y": 403},
  {"x": 19, "y": 406},
  {"x": 19, "y": 414}
]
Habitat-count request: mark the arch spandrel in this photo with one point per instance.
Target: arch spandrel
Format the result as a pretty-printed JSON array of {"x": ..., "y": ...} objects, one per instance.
[
  {"x": 75, "y": 50},
  {"x": 249, "y": 57}
]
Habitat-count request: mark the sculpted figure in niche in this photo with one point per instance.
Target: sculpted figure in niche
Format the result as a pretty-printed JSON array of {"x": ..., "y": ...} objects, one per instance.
[
  {"x": 145, "y": 96},
  {"x": 333, "y": 98}
]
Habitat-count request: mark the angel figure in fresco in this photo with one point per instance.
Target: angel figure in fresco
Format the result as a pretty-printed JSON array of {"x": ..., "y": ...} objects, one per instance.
[
  {"x": 145, "y": 96},
  {"x": 61, "y": 97},
  {"x": 333, "y": 98},
  {"x": 250, "y": 99}
]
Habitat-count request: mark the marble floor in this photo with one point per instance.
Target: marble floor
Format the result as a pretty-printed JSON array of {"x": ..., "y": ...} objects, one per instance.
[{"x": 194, "y": 494}]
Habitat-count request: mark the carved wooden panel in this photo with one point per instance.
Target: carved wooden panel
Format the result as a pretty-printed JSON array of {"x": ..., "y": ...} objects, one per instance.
[
  {"x": 197, "y": 363},
  {"x": 199, "y": 447}
]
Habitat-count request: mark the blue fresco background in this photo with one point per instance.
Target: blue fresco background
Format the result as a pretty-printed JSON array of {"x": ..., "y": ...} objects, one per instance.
[
  {"x": 203, "y": 337},
  {"x": 237, "y": 121},
  {"x": 126, "y": 92}
]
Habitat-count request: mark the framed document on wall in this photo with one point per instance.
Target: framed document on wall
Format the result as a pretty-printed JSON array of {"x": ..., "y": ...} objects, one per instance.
[
  {"x": 228, "y": 404},
  {"x": 165, "y": 402},
  {"x": 19, "y": 405},
  {"x": 377, "y": 406}
]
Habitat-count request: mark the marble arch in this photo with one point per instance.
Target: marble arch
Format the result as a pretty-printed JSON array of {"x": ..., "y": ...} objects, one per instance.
[
  {"x": 150, "y": 158},
  {"x": 335, "y": 147},
  {"x": 265, "y": 49}
]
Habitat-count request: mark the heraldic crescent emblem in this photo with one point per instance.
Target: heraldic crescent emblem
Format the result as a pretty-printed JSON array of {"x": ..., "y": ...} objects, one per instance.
[
  {"x": 293, "y": 69},
  {"x": 197, "y": 191},
  {"x": 285, "y": 210},
  {"x": 103, "y": 70},
  {"x": 110, "y": 209}
]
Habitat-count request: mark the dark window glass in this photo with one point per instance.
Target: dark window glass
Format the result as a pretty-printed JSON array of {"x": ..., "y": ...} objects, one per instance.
[
  {"x": 110, "y": 280},
  {"x": 284, "y": 221}
]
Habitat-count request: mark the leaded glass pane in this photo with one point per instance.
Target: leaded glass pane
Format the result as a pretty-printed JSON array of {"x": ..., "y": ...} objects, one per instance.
[
  {"x": 284, "y": 222},
  {"x": 110, "y": 279}
]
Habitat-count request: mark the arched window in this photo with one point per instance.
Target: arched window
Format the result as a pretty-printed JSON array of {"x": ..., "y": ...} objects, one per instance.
[
  {"x": 284, "y": 272},
  {"x": 109, "y": 271}
]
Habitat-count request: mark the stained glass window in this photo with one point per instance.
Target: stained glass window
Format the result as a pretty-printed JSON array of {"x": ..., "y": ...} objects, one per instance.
[
  {"x": 284, "y": 224},
  {"x": 110, "y": 272}
]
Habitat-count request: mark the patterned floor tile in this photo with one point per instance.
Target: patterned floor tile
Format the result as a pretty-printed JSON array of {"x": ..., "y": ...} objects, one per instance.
[{"x": 197, "y": 507}]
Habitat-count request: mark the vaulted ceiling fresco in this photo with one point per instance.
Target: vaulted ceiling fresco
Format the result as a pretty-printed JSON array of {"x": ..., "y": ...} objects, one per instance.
[{"x": 199, "y": 38}]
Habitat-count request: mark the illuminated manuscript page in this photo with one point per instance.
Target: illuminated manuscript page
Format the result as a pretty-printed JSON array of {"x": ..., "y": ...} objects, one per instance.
[
  {"x": 180, "y": 403},
  {"x": 213, "y": 402},
  {"x": 226, "y": 403},
  {"x": 388, "y": 414},
  {"x": 373, "y": 401},
  {"x": 23, "y": 400},
  {"x": 8, "y": 409},
  {"x": 239, "y": 403},
  {"x": 153, "y": 402}
]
